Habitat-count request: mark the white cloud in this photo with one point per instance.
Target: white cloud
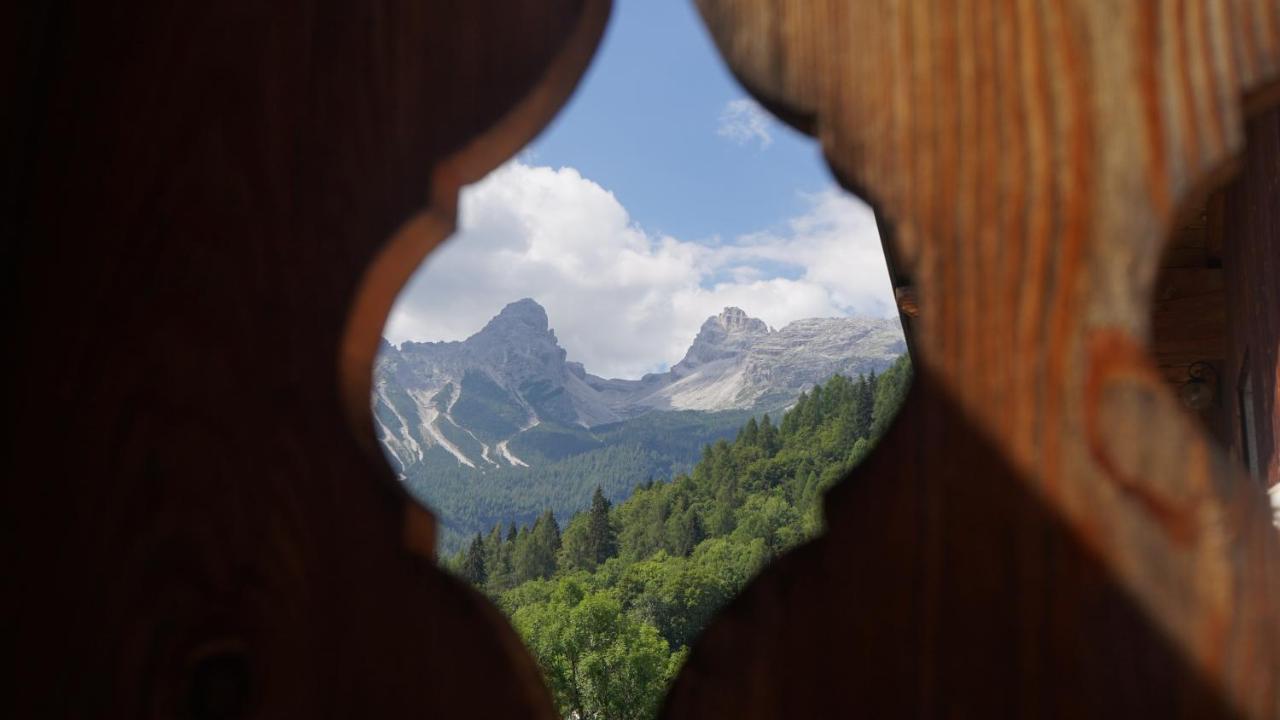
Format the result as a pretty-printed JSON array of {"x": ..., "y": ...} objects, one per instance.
[
  {"x": 743, "y": 121},
  {"x": 621, "y": 300}
]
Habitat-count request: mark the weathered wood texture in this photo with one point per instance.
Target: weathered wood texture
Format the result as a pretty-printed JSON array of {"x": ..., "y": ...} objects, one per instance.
[
  {"x": 1251, "y": 262},
  {"x": 1044, "y": 532},
  {"x": 192, "y": 526}
]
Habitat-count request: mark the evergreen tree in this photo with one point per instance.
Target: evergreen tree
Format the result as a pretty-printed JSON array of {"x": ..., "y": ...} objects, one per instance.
[
  {"x": 473, "y": 564},
  {"x": 493, "y": 547},
  {"x": 813, "y": 409},
  {"x": 891, "y": 393},
  {"x": 497, "y": 561},
  {"x": 791, "y": 418},
  {"x": 534, "y": 555},
  {"x": 609, "y": 635},
  {"x": 769, "y": 440},
  {"x": 601, "y": 536},
  {"x": 863, "y": 405},
  {"x": 750, "y": 434},
  {"x": 524, "y": 564}
]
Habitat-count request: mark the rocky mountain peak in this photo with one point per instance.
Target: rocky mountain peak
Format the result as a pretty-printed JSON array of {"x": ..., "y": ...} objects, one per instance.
[
  {"x": 522, "y": 315},
  {"x": 722, "y": 336},
  {"x": 735, "y": 320},
  {"x": 518, "y": 345},
  {"x": 470, "y": 399}
]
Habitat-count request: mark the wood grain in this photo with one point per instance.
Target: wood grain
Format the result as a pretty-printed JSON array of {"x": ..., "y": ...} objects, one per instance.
[
  {"x": 193, "y": 529},
  {"x": 212, "y": 207},
  {"x": 1044, "y": 532}
]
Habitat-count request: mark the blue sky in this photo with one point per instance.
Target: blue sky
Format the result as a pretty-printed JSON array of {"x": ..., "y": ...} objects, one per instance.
[
  {"x": 643, "y": 124},
  {"x": 659, "y": 195}
]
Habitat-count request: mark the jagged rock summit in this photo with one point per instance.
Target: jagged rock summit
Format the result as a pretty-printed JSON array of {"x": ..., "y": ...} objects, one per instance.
[
  {"x": 722, "y": 336},
  {"x": 472, "y": 398}
]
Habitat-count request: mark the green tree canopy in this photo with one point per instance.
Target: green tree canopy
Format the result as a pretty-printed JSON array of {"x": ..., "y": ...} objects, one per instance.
[{"x": 610, "y": 606}]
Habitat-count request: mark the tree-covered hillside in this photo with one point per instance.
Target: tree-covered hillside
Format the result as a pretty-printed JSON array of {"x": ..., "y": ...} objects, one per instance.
[
  {"x": 567, "y": 463},
  {"x": 610, "y": 604}
]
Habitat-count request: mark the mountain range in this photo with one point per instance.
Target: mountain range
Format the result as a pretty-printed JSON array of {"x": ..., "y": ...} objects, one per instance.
[{"x": 508, "y": 397}]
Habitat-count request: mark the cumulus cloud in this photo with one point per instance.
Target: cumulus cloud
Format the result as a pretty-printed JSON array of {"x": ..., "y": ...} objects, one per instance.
[
  {"x": 744, "y": 122},
  {"x": 624, "y": 301}
]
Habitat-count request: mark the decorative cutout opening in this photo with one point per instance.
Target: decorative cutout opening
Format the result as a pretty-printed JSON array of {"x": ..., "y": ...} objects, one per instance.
[{"x": 658, "y": 337}]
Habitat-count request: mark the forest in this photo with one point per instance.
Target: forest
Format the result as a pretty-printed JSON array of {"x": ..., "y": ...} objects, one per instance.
[
  {"x": 610, "y": 603},
  {"x": 568, "y": 463}
]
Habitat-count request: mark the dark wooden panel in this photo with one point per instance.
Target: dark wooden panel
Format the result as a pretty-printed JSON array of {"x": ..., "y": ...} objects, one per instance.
[
  {"x": 1188, "y": 329},
  {"x": 1251, "y": 263},
  {"x": 192, "y": 523}
]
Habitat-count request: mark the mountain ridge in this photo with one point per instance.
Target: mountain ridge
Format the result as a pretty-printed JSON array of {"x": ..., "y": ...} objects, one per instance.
[{"x": 474, "y": 398}]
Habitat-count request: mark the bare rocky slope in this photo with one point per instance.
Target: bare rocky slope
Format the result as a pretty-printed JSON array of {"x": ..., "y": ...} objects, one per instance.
[{"x": 507, "y": 397}]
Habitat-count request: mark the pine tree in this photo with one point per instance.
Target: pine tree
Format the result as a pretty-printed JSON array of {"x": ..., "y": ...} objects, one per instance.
[
  {"x": 493, "y": 546},
  {"x": 812, "y": 416},
  {"x": 497, "y": 562},
  {"x": 890, "y": 393},
  {"x": 770, "y": 442},
  {"x": 601, "y": 536},
  {"x": 863, "y": 404},
  {"x": 522, "y": 563},
  {"x": 543, "y": 546},
  {"x": 473, "y": 563},
  {"x": 750, "y": 434},
  {"x": 791, "y": 418},
  {"x": 534, "y": 554}
]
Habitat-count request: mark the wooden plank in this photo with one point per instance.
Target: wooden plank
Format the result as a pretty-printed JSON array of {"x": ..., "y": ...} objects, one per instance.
[
  {"x": 206, "y": 194},
  {"x": 1176, "y": 283},
  {"x": 1188, "y": 320},
  {"x": 1061, "y": 531}
]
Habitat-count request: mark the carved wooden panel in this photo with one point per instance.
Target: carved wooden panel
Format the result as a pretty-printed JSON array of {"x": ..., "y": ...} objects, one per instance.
[
  {"x": 204, "y": 191},
  {"x": 213, "y": 207},
  {"x": 1043, "y": 533}
]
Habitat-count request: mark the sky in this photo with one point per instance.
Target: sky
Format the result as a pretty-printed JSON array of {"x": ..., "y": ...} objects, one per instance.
[{"x": 658, "y": 196}]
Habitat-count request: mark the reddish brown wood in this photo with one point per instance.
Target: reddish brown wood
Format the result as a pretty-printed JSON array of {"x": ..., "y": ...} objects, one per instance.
[
  {"x": 908, "y": 302},
  {"x": 1044, "y": 532},
  {"x": 201, "y": 188}
]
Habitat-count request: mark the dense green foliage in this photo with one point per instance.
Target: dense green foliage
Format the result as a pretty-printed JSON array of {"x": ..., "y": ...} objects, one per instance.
[
  {"x": 568, "y": 462},
  {"x": 610, "y": 605}
]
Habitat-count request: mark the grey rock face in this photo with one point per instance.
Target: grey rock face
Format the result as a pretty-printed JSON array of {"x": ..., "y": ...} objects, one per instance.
[
  {"x": 724, "y": 336},
  {"x": 470, "y": 398},
  {"x": 738, "y": 362}
]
